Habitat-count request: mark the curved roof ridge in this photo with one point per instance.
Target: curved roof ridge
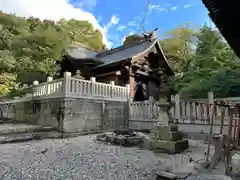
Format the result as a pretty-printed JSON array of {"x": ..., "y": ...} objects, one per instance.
[
  {"x": 120, "y": 48},
  {"x": 77, "y": 45}
]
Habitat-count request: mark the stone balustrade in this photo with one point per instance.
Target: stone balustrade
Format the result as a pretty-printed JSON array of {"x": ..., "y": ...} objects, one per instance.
[{"x": 72, "y": 86}]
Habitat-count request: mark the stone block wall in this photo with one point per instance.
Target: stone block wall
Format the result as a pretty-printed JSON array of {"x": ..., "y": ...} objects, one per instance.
[
  {"x": 82, "y": 115},
  {"x": 42, "y": 112},
  {"x": 69, "y": 114}
]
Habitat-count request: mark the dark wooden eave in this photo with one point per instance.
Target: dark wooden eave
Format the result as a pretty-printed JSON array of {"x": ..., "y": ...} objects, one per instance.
[
  {"x": 110, "y": 67},
  {"x": 225, "y": 14}
]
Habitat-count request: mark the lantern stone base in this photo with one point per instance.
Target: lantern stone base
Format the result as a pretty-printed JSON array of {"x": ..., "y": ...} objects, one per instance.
[
  {"x": 171, "y": 147},
  {"x": 167, "y": 139}
]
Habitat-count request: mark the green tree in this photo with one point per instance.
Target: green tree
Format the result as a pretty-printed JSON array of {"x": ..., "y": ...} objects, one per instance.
[
  {"x": 213, "y": 67},
  {"x": 29, "y": 47},
  {"x": 179, "y": 46},
  {"x": 132, "y": 39}
]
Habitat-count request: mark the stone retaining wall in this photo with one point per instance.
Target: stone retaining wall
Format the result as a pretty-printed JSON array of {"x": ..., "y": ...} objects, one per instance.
[{"x": 68, "y": 114}]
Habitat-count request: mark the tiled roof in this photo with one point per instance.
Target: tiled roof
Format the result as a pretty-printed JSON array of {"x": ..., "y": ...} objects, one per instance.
[
  {"x": 80, "y": 52},
  {"x": 125, "y": 52},
  {"x": 113, "y": 55},
  {"x": 117, "y": 54}
]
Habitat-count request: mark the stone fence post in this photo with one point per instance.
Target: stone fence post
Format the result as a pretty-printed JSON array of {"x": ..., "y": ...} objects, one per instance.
[
  {"x": 35, "y": 83},
  {"x": 48, "y": 88},
  {"x": 177, "y": 108},
  {"x": 112, "y": 88},
  {"x": 93, "y": 80},
  {"x": 128, "y": 91},
  {"x": 127, "y": 110},
  {"x": 67, "y": 83}
]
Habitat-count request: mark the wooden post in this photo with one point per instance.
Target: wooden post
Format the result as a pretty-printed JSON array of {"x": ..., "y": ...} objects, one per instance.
[
  {"x": 222, "y": 117},
  {"x": 238, "y": 124},
  {"x": 235, "y": 128},
  {"x": 211, "y": 113},
  {"x": 229, "y": 138},
  {"x": 230, "y": 123}
]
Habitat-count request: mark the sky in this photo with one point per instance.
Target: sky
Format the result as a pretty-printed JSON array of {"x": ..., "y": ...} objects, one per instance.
[{"x": 116, "y": 19}]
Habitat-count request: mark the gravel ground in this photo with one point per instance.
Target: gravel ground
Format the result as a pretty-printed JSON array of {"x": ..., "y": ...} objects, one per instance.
[{"x": 85, "y": 159}]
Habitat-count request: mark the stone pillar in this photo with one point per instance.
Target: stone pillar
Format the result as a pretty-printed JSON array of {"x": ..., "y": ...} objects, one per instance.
[
  {"x": 205, "y": 112},
  {"x": 199, "y": 117},
  {"x": 177, "y": 107},
  {"x": 67, "y": 83},
  {"x": 49, "y": 88},
  {"x": 93, "y": 80},
  {"x": 128, "y": 91},
  {"x": 127, "y": 110},
  {"x": 193, "y": 112},
  {"x": 188, "y": 112},
  {"x": 35, "y": 92},
  {"x": 112, "y": 89}
]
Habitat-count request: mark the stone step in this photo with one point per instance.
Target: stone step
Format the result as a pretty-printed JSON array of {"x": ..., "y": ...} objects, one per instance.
[
  {"x": 26, "y": 130},
  {"x": 28, "y": 136}
]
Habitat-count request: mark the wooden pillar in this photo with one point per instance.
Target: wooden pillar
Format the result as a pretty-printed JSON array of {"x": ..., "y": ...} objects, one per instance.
[{"x": 132, "y": 86}]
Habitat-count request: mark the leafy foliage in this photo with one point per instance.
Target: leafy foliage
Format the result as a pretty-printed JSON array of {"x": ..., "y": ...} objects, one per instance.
[
  {"x": 212, "y": 67},
  {"x": 179, "y": 46},
  {"x": 29, "y": 47},
  {"x": 132, "y": 39}
]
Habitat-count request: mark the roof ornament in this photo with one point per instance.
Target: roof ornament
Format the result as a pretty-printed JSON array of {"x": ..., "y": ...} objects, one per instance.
[
  {"x": 144, "y": 16},
  {"x": 152, "y": 35}
]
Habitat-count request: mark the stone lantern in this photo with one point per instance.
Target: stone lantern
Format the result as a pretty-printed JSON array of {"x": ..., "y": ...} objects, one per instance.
[{"x": 165, "y": 135}]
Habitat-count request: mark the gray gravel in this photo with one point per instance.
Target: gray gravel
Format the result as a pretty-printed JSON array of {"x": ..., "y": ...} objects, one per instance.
[{"x": 84, "y": 158}]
